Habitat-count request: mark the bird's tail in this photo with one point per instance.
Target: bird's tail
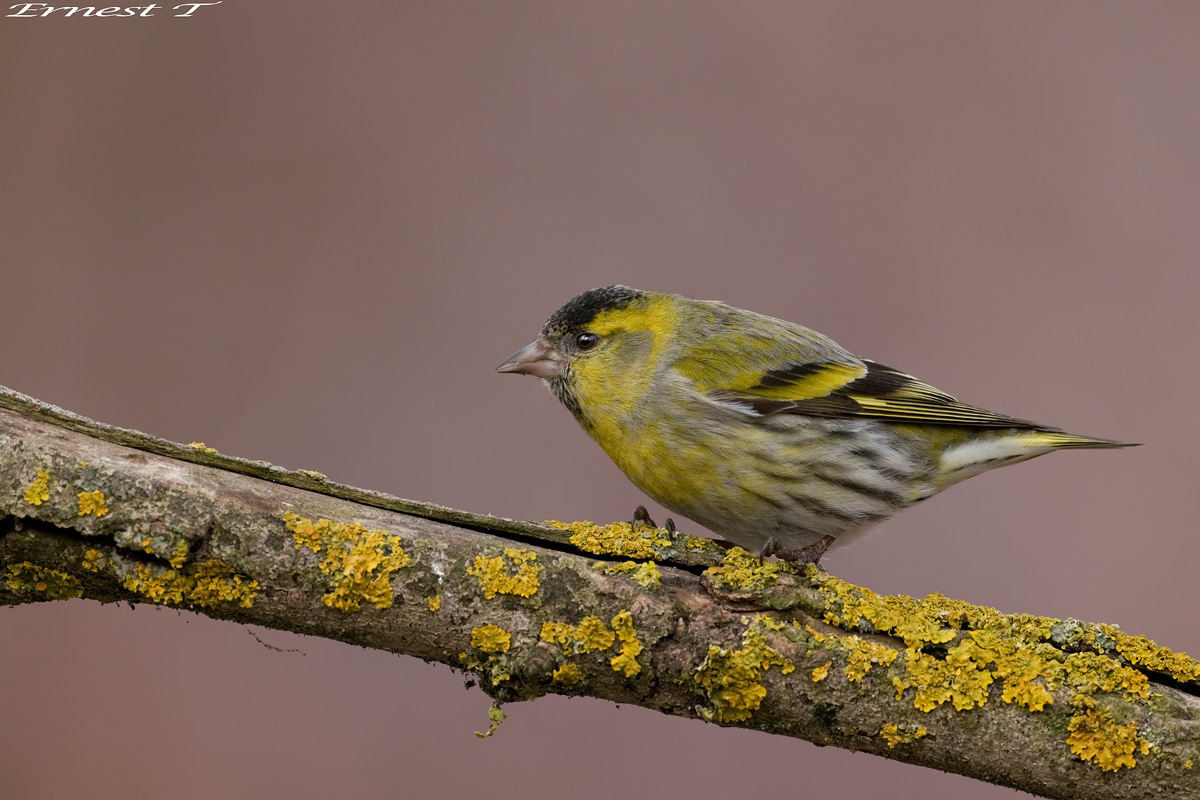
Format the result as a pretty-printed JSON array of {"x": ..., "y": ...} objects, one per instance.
[
  {"x": 1064, "y": 441},
  {"x": 986, "y": 452}
]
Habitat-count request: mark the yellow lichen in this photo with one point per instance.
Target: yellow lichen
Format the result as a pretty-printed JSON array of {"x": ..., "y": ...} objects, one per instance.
[
  {"x": 587, "y": 636},
  {"x": 933, "y": 620},
  {"x": 216, "y": 582},
  {"x": 491, "y": 639},
  {"x": 359, "y": 562},
  {"x": 1145, "y": 653},
  {"x": 701, "y": 543},
  {"x": 92, "y": 503},
  {"x": 741, "y": 571},
  {"x": 434, "y": 602},
  {"x": 1092, "y": 672},
  {"x": 93, "y": 560},
  {"x": 1096, "y": 736},
  {"x": 1029, "y": 670},
  {"x": 202, "y": 447},
  {"x": 816, "y": 635},
  {"x": 495, "y": 578},
  {"x": 27, "y": 579},
  {"x": 206, "y": 584},
  {"x": 305, "y": 532},
  {"x": 638, "y": 540},
  {"x": 164, "y": 587},
  {"x": 646, "y": 573},
  {"x": 1025, "y": 692},
  {"x": 962, "y": 678},
  {"x": 490, "y": 667},
  {"x": 626, "y": 660},
  {"x": 158, "y": 584},
  {"x": 863, "y": 654},
  {"x": 1013, "y": 648},
  {"x": 617, "y": 539},
  {"x": 316, "y": 476},
  {"x": 496, "y": 718},
  {"x": 895, "y": 735},
  {"x": 179, "y": 554},
  {"x": 592, "y": 635},
  {"x": 732, "y": 678},
  {"x": 820, "y": 673},
  {"x": 1031, "y": 657},
  {"x": 38, "y": 491},
  {"x": 567, "y": 675}
]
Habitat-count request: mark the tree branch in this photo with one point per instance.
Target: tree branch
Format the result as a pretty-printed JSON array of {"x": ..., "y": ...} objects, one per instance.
[{"x": 1057, "y": 708}]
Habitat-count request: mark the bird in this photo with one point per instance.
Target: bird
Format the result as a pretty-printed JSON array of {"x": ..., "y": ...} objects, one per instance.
[{"x": 767, "y": 433}]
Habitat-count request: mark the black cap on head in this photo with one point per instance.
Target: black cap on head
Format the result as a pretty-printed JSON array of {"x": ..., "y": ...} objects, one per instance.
[{"x": 581, "y": 310}]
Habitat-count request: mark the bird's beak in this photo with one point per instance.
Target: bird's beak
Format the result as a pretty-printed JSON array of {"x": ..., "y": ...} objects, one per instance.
[{"x": 539, "y": 358}]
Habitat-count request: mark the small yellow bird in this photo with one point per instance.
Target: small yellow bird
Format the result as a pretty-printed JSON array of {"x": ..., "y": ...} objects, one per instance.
[{"x": 763, "y": 431}]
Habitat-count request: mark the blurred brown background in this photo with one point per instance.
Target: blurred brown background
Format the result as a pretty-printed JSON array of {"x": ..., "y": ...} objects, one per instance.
[{"x": 307, "y": 232}]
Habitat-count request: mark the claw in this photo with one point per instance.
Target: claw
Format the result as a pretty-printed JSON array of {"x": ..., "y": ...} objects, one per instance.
[
  {"x": 805, "y": 555},
  {"x": 770, "y": 547},
  {"x": 670, "y": 526},
  {"x": 640, "y": 514},
  {"x": 774, "y": 547}
]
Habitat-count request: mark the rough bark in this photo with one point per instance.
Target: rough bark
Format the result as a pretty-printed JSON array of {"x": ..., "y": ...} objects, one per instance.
[{"x": 1061, "y": 709}]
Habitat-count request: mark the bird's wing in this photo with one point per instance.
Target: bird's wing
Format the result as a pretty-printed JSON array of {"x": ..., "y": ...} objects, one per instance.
[{"x": 848, "y": 387}]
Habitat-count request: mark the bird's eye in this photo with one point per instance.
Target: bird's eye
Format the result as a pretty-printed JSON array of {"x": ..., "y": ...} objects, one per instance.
[{"x": 586, "y": 341}]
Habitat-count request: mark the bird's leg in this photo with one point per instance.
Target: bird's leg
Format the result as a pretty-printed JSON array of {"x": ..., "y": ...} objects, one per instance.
[
  {"x": 670, "y": 526},
  {"x": 805, "y": 555}
]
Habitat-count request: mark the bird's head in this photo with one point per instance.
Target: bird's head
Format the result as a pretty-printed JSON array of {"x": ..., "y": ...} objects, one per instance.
[{"x": 592, "y": 349}]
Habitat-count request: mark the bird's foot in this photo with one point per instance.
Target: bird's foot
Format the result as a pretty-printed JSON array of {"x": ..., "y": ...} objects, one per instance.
[
  {"x": 641, "y": 515},
  {"x": 805, "y": 555}
]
